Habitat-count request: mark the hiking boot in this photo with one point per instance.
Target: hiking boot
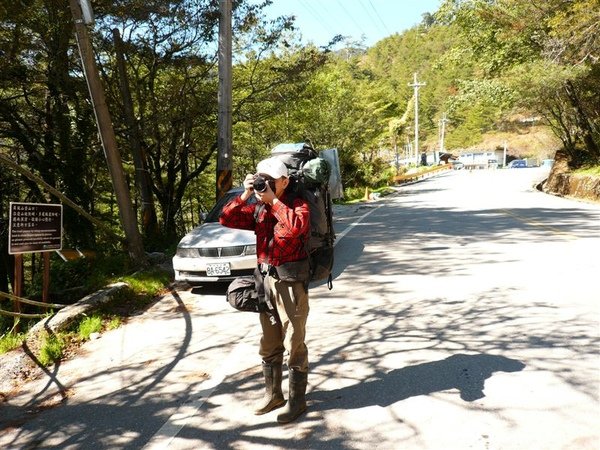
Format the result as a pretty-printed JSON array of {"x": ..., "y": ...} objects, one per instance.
[
  {"x": 297, "y": 401},
  {"x": 273, "y": 397}
]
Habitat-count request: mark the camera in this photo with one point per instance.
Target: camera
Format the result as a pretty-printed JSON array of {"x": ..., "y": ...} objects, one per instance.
[{"x": 260, "y": 183}]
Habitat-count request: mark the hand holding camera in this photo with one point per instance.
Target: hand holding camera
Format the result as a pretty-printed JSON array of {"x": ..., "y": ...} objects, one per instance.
[
  {"x": 264, "y": 188},
  {"x": 249, "y": 183},
  {"x": 261, "y": 184}
]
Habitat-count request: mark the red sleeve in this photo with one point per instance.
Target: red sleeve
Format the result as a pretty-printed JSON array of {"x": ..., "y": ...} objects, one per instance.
[
  {"x": 238, "y": 214},
  {"x": 292, "y": 222}
]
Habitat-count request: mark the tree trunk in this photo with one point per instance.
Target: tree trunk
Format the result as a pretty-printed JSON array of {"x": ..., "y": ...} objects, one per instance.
[
  {"x": 582, "y": 121},
  {"x": 142, "y": 177}
]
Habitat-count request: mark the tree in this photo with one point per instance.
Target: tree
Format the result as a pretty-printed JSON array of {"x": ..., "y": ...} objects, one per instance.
[
  {"x": 547, "y": 53},
  {"x": 44, "y": 109}
]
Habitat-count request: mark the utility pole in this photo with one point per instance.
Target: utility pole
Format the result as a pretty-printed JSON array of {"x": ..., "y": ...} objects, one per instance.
[
  {"x": 416, "y": 85},
  {"x": 107, "y": 134},
  {"x": 224, "y": 139},
  {"x": 443, "y": 122}
]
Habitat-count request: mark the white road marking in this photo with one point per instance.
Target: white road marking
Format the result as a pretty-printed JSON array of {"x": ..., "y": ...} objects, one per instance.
[{"x": 353, "y": 224}]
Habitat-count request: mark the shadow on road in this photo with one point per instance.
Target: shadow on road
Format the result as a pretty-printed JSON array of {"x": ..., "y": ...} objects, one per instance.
[
  {"x": 132, "y": 407},
  {"x": 373, "y": 326},
  {"x": 219, "y": 288},
  {"x": 466, "y": 373}
]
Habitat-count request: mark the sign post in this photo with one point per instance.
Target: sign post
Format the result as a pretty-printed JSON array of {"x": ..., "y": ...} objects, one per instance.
[{"x": 33, "y": 227}]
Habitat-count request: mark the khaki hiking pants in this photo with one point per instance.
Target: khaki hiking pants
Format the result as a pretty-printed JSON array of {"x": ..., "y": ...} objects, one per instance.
[{"x": 291, "y": 302}]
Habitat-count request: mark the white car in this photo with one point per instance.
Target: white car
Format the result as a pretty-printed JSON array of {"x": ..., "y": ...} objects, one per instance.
[{"x": 214, "y": 253}]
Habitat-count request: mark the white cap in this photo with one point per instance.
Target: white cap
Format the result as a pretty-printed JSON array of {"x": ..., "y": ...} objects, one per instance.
[{"x": 274, "y": 167}]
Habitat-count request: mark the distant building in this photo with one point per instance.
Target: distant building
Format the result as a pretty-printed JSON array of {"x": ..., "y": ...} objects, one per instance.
[{"x": 479, "y": 160}]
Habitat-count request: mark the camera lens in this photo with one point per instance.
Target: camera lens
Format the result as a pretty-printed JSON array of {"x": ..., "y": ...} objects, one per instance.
[{"x": 260, "y": 184}]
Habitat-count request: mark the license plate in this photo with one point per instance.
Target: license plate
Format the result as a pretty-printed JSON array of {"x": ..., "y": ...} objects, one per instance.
[{"x": 217, "y": 270}]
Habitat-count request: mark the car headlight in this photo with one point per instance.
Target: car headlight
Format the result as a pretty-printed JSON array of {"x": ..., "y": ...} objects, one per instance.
[
  {"x": 187, "y": 252},
  {"x": 250, "y": 250}
]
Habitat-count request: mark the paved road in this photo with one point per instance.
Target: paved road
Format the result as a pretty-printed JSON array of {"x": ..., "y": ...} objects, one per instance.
[{"x": 464, "y": 315}]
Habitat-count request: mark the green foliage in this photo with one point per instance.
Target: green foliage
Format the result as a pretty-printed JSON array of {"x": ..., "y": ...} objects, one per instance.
[
  {"x": 484, "y": 63},
  {"x": 148, "y": 282},
  {"x": 52, "y": 349},
  {"x": 89, "y": 325},
  {"x": 589, "y": 170},
  {"x": 357, "y": 194},
  {"x": 73, "y": 279},
  {"x": 543, "y": 54},
  {"x": 114, "y": 323},
  {"x": 10, "y": 341}
]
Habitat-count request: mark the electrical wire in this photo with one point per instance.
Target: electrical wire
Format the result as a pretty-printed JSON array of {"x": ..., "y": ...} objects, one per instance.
[
  {"x": 306, "y": 5},
  {"x": 379, "y": 17}
]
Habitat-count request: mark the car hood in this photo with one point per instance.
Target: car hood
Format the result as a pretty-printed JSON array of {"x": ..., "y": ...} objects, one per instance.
[{"x": 216, "y": 235}]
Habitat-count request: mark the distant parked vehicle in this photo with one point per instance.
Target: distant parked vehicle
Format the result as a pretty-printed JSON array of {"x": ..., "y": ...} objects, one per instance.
[{"x": 517, "y": 164}]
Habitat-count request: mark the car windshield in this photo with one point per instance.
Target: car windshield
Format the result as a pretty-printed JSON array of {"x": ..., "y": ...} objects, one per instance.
[{"x": 215, "y": 212}]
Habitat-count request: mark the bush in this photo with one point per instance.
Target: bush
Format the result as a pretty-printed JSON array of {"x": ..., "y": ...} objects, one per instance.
[
  {"x": 114, "y": 323},
  {"x": 72, "y": 280}
]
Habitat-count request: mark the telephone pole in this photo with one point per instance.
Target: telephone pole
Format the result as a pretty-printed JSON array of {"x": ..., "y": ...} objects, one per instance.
[
  {"x": 107, "y": 134},
  {"x": 224, "y": 139},
  {"x": 416, "y": 85},
  {"x": 443, "y": 122}
]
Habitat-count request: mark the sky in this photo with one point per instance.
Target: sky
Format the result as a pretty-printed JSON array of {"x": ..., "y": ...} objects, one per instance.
[{"x": 321, "y": 20}]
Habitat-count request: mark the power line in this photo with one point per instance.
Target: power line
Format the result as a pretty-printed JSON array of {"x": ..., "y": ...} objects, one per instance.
[
  {"x": 315, "y": 14},
  {"x": 369, "y": 14},
  {"x": 351, "y": 18},
  {"x": 379, "y": 17}
]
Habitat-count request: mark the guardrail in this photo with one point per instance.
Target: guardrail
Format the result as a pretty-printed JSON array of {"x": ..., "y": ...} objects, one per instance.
[
  {"x": 14, "y": 298},
  {"x": 406, "y": 178}
]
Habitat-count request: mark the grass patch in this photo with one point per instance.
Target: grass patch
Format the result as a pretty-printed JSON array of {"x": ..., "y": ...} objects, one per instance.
[
  {"x": 114, "y": 323},
  {"x": 589, "y": 170},
  {"x": 145, "y": 285},
  {"x": 10, "y": 341},
  {"x": 88, "y": 326},
  {"x": 52, "y": 349}
]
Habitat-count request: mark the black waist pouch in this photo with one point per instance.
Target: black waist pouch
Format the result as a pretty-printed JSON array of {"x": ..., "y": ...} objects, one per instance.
[
  {"x": 243, "y": 296},
  {"x": 294, "y": 271}
]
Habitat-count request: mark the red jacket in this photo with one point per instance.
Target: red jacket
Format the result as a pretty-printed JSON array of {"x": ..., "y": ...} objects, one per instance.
[{"x": 282, "y": 230}]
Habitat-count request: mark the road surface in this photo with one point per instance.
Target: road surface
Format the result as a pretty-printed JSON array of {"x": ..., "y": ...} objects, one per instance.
[{"x": 464, "y": 315}]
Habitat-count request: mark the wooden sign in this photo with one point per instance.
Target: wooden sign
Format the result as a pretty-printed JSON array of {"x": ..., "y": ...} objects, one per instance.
[{"x": 34, "y": 227}]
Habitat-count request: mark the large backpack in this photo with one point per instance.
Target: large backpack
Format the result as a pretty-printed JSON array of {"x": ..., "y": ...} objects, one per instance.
[{"x": 309, "y": 179}]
